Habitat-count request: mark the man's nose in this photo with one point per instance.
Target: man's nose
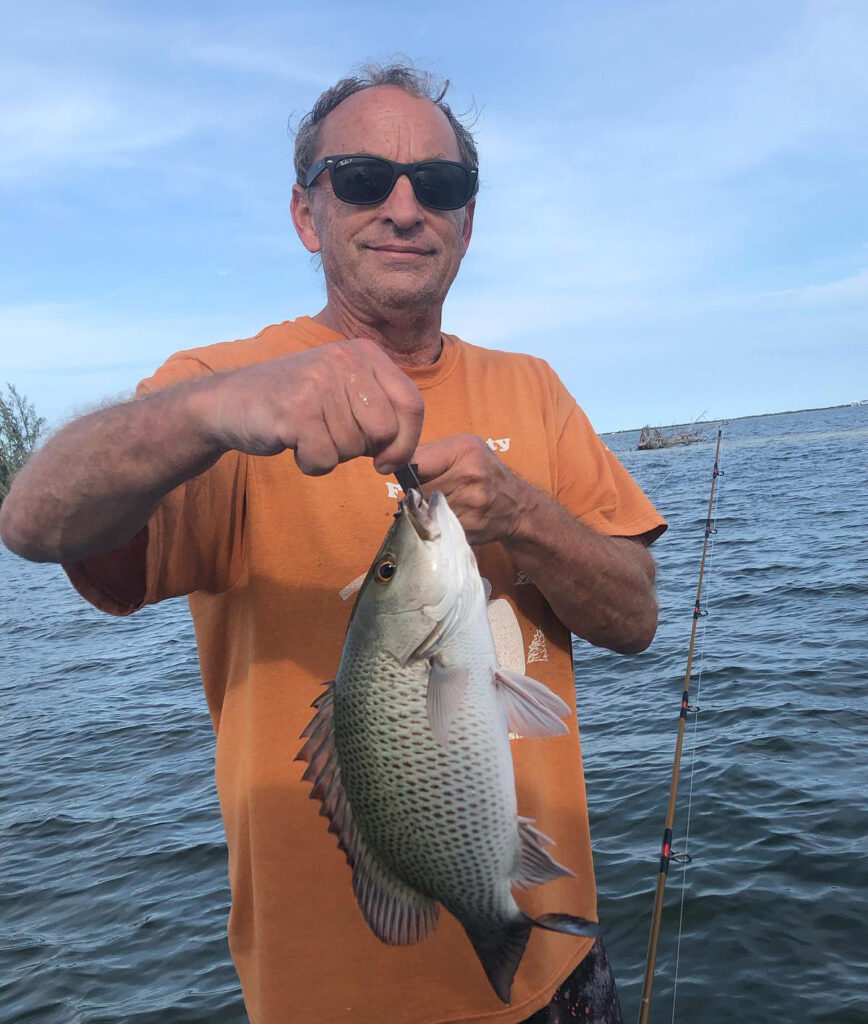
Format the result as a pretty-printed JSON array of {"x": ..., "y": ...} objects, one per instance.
[{"x": 401, "y": 205}]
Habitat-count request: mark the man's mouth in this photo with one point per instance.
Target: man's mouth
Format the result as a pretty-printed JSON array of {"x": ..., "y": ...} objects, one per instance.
[{"x": 403, "y": 250}]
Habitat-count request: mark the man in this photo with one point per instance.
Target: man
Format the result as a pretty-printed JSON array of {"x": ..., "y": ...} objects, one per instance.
[{"x": 192, "y": 490}]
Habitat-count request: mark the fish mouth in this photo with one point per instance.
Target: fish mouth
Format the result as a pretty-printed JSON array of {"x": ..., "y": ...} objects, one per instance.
[{"x": 423, "y": 514}]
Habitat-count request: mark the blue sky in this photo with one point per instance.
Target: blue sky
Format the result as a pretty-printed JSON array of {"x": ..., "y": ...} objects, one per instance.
[{"x": 673, "y": 212}]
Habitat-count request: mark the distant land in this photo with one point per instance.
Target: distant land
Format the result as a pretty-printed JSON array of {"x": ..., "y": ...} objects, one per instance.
[{"x": 732, "y": 419}]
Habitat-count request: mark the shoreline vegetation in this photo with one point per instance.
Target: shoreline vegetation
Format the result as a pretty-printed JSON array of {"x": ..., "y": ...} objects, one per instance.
[
  {"x": 733, "y": 419},
  {"x": 20, "y": 430}
]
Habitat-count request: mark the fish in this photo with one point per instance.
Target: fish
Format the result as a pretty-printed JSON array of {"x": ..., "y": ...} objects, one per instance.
[{"x": 409, "y": 754}]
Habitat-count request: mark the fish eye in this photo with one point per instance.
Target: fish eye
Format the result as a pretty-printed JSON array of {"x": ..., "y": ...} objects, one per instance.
[{"x": 385, "y": 570}]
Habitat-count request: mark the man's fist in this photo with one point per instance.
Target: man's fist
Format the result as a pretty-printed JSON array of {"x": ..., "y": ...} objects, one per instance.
[{"x": 329, "y": 405}]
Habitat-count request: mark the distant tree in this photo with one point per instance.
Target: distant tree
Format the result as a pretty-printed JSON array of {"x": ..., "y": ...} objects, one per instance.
[{"x": 20, "y": 428}]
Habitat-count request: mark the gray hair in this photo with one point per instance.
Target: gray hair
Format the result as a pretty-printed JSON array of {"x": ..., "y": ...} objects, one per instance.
[{"x": 415, "y": 82}]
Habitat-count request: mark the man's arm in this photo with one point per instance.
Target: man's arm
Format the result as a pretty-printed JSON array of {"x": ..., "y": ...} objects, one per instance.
[
  {"x": 601, "y": 588},
  {"x": 95, "y": 483}
]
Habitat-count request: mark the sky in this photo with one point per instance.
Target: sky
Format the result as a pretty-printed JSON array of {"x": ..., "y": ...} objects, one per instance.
[{"x": 673, "y": 208}]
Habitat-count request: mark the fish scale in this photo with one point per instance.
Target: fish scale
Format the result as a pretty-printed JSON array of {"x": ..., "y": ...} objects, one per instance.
[
  {"x": 409, "y": 751},
  {"x": 416, "y": 801}
]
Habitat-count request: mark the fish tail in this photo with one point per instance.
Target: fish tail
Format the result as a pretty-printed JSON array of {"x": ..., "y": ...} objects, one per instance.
[
  {"x": 568, "y": 924},
  {"x": 500, "y": 952}
]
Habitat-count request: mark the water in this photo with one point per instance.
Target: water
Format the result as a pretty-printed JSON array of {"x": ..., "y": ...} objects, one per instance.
[{"x": 113, "y": 894}]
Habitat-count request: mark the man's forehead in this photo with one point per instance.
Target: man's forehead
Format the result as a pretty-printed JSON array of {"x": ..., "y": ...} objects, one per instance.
[{"x": 388, "y": 121}]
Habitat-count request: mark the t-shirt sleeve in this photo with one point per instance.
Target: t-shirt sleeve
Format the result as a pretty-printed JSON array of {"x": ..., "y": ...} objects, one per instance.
[
  {"x": 593, "y": 485},
  {"x": 194, "y": 541}
]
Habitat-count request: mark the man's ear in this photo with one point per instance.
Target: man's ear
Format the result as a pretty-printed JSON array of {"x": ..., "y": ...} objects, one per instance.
[
  {"x": 467, "y": 228},
  {"x": 302, "y": 218}
]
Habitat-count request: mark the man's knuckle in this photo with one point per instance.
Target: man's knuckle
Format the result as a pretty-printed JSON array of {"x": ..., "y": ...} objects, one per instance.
[
  {"x": 477, "y": 497},
  {"x": 474, "y": 471},
  {"x": 315, "y": 463},
  {"x": 409, "y": 401},
  {"x": 361, "y": 351},
  {"x": 383, "y": 428},
  {"x": 353, "y": 449}
]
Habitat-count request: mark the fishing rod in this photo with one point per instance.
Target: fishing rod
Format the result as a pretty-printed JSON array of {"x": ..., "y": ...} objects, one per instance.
[{"x": 666, "y": 855}]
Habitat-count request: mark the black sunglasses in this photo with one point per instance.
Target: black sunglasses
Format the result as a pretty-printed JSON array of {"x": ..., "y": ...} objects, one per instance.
[{"x": 364, "y": 180}]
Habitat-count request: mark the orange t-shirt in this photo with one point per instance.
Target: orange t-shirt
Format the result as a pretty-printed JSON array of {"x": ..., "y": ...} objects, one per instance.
[{"x": 264, "y": 553}]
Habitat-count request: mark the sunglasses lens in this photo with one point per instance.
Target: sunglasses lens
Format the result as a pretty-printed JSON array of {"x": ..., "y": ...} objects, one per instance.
[
  {"x": 441, "y": 186},
  {"x": 365, "y": 180},
  {"x": 361, "y": 180}
]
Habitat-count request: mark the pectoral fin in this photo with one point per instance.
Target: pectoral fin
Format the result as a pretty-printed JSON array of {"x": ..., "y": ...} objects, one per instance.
[
  {"x": 447, "y": 684},
  {"x": 531, "y": 707}
]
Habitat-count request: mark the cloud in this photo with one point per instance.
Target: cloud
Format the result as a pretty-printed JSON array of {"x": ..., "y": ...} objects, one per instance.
[
  {"x": 841, "y": 294},
  {"x": 55, "y": 336},
  {"x": 699, "y": 100},
  {"x": 49, "y": 121},
  {"x": 659, "y": 180},
  {"x": 254, "y": 57},
  {"x": 99, "y": 84},
  {"x": 64, "y": 354}
]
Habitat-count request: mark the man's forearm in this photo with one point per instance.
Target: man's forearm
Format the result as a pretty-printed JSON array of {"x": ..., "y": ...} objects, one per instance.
[
  {"x": 97, "y": 481},
  {"x": 601, "y": 588}
]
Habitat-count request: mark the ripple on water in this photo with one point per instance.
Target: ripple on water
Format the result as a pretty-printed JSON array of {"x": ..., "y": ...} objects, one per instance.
[{"x": 113, "y": 895}]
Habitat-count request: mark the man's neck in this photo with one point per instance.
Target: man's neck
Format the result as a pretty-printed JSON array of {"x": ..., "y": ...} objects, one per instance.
[{"x": 413, "y": 340}]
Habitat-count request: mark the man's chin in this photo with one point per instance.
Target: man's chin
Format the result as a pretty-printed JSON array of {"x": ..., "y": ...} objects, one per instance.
[{"x": 407, "y": 296}]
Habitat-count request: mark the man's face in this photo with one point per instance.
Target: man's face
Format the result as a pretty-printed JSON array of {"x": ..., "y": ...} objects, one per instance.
[{"x": 397, "y": 257}]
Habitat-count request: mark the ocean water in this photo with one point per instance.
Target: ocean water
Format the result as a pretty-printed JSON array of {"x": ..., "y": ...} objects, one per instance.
[{"x": 113, "y": 893}]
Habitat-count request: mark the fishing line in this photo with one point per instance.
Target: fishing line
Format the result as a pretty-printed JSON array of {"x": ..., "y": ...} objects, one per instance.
[
  {"x": 709, "y": 579},
  {"x": 666, "y": 854}
]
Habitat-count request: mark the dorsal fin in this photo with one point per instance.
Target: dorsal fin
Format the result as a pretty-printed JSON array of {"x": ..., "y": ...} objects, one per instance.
[{"x": 394, "y": 912}]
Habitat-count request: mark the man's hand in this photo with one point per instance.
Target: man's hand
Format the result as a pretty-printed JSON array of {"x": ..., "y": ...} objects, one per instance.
[
  {"x": 601, "y": 588},
  {"x": 95, "y": 483},
  {"x": 489, "y": 499},
  {"x": 329, "y": 405}
]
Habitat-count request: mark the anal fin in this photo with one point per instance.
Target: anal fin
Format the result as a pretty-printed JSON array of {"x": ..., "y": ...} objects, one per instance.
[{"x": 537, "y": 864}]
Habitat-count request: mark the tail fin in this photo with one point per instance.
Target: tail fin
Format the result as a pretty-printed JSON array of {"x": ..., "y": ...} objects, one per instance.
[
  {"x": 500, "y": 952},
  {"x": 569, "y": 924}
]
